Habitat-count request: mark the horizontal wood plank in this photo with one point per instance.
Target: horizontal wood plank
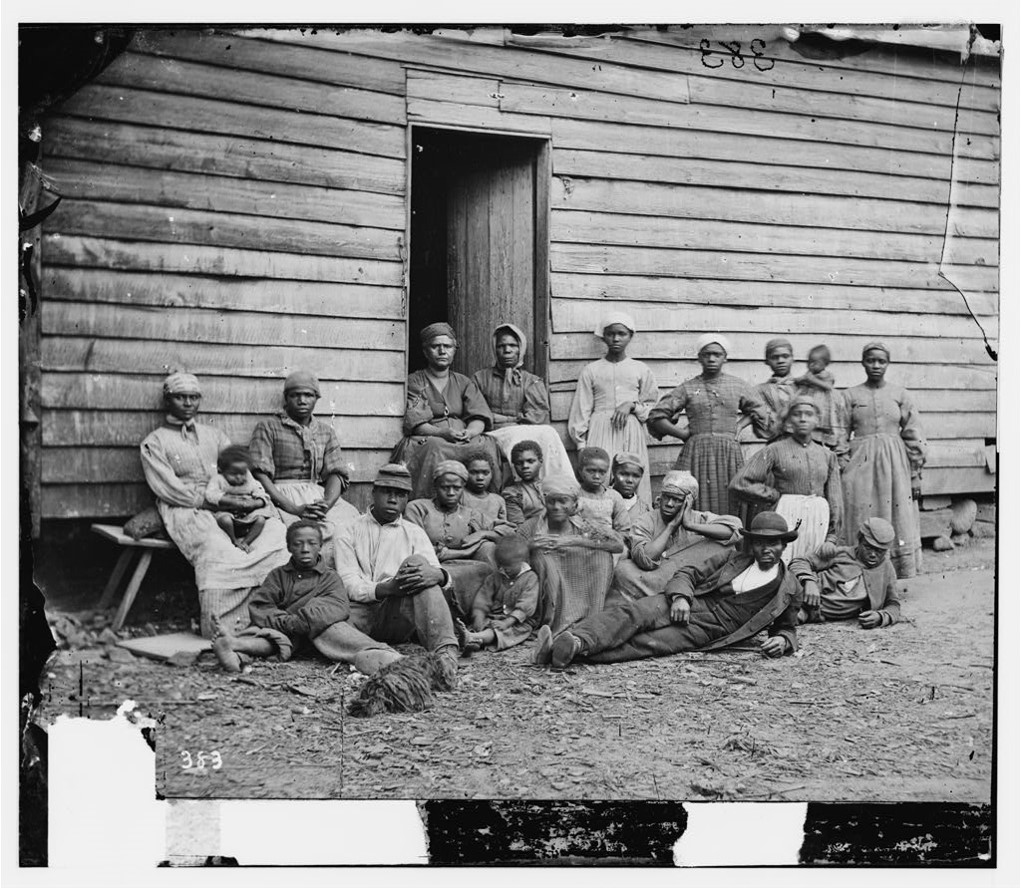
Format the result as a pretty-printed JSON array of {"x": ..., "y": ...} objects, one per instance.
[
  {"x": 957, "y": 480},
  {"x": 166, "y": 75},
  {"x": 238, "y": 157},
  {"x": 431, "y": 113},
  {"x": 223, "y": 293},
  {"x": 93, "y": 252},
  {"x": 94, "y": 500},
  {"x": 101, "y": 391},
  {"x": 190, "y": 325},
  {"x": 204, "y": 228},
  {"x": 198, "y": 192},
  {"x": 682, "y": 291},
  {"x": 126, "y": 105}
]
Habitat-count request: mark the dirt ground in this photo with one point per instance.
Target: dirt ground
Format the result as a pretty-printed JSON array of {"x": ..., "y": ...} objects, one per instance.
[{"x": 903, "y": 713}]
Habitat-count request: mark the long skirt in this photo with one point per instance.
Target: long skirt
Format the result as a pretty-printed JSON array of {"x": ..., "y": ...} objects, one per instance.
[
  {"x": 573, "y": 584},
  {"x": 422, "y": 454},
  {"x": 814, "y": 514},
  {"x": 877, "y": 484},
  {"x": 713, "y": 459},
  {"x": 342, "y": 513},
  {"x": 630, "y": 439},
  {"x": 555, "y": 460}
]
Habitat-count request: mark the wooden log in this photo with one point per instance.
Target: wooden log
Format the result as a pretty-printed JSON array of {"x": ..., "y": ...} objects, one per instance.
[
  {"x": 682, "y": 291},
  {"x": 96, "y": 391},
  {"x": 122, "y": 104},
  {"x": 205, "y": 228},
  {"x": 163, "y": 75},
  {"x": 77, "y": 354},
  {"x": 809, "y": 210},
  {"x": 86, "y": 181},
  {"x": 155, "y": 147},
  {"x": 119, "y": 428},
  {"x": 92, "y": 252},
  {"x": 205, "y": 325},
  {"x": 223, "y": 293}
]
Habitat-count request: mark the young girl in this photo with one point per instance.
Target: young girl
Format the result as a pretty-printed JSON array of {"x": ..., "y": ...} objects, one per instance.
[
  {"x": 818, "y": 383},
  {"x": 713, "y": 402},
  {"x": 234, "y": 476},
  {"x": 477, "y": 495},
  {"x": 626, "y": 472},
  {"x": 776, "y": 392},
  {"x": 597, "y": 502},
  {"x": 613, "y": 398},
  {"x": 505, "y": 612},
  {"x": 524, "y": 497}
]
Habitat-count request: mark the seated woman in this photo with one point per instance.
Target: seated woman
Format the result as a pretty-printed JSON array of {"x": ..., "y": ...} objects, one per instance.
[
  {"x": 572, "y": 557},
  {"x": 519, "y": 401},
  {"x": 178, "y": 460},
  {"x": 445, "y": 416},
  {"x": 672, "y": 537},
  {"x": 464, "y": 539},
  {"x": 296, "y": 457}
]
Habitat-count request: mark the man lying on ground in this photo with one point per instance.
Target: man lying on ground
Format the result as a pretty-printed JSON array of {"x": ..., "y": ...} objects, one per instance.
[{"x": 729, "y": 598}]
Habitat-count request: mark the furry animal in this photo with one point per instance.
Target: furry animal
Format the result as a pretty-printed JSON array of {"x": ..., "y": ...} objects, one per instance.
[{"x": 406, "y": 685}]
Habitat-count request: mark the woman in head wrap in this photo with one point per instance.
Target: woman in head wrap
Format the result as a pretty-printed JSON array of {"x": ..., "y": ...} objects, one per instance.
[
  {"x": 519, "y": 401},
  {"x": 713, "y": 402},
  {"x": 776, "y": 393},
  {"x": 572, "y": 557},
  {"x": 464, "y": 538},
  {"x": 445, "y": 415},
  {"x": 178, "y": 460},
  {"x": 297, "y": 458},
  {"x": 613, "y": 398},
  {"x": 882, "y": 471}
]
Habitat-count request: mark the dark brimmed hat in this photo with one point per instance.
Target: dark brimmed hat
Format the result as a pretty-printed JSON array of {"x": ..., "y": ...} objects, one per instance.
[
  {"x": 394, "y": 475},
  {"x": 770, "y": 526}
]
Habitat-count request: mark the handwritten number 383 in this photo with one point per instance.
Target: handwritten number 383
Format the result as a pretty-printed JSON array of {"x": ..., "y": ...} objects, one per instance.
[
  {"x": 713, "y": 58},
  {"x": 199, "y": 762}
]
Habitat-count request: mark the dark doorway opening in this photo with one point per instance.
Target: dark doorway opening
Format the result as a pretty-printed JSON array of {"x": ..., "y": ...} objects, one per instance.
[{"x": 479, "y": 242}]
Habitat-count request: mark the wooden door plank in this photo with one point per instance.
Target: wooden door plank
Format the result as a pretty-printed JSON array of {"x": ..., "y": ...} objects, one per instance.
[{"x": 476, "y": 117}]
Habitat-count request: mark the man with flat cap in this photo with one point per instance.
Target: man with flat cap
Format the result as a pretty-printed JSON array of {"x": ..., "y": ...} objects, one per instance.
[
  {"x": 727, "y": 599},
  {"x": 842, "y": 582}
]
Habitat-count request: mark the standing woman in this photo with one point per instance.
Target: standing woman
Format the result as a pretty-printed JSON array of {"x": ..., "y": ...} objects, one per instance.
[
  {"x": 713, "y": 401},
  {"x": 445, "y": 415},
  {"x": 883, "y": 468},
  {"x": 519, "y": 402},
  {"x": 613, "y": 399},
  {"x": 178, "y": 460}
]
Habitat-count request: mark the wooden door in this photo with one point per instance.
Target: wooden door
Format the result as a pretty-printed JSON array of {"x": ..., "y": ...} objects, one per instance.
[{"x": 491, "y": 251}]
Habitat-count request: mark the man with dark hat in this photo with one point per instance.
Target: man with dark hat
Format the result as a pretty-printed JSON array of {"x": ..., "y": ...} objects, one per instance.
[
  {"x": 842, "y": 582},
  {"x": 705, "y": 607}
]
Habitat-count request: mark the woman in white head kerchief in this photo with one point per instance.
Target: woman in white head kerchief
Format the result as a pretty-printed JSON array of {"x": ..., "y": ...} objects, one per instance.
[
  {"x": 519, "y": 401},
  {"x": 614, "y": 397},
  {"x": 178, "y": 460}
]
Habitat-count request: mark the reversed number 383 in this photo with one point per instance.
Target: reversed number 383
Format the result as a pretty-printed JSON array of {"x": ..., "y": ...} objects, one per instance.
[{"x": 198, "y": 763}]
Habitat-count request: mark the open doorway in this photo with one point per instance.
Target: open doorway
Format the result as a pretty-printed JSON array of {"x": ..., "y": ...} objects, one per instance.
[{"x": 479, "y": 242}]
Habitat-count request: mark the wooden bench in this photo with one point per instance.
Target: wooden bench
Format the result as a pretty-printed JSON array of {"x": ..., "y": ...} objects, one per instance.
[{"x": 144, "y": 548}]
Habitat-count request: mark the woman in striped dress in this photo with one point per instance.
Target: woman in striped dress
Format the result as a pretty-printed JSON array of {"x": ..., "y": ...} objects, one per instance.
[{"x": 713, "y": 402}]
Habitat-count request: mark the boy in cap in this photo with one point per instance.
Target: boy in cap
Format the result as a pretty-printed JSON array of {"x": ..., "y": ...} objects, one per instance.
[{"x": 842, "y": 582}]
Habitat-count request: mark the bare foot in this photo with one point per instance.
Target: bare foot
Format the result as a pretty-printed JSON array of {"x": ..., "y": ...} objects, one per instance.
[{"x": 227, "y": 656}]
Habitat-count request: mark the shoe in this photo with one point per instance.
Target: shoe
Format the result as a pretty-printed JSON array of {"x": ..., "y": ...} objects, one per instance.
[
  {"x": 565, "y": 648},
  {"x": 543, "y": 651}
]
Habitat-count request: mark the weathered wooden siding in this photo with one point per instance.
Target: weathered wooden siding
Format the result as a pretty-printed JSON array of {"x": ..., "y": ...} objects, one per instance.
[{"x": 235, "y": 204}]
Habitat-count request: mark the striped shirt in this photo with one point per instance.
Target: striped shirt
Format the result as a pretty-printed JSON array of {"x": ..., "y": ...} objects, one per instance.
[{"x": 288, "y": 451}]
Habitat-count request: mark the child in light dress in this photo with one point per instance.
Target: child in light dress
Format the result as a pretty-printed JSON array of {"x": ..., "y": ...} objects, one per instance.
[
  {"x": 234, "y": 476},
  {"x": 597, "y": 502},
  {"x": 477, "y": 494}
]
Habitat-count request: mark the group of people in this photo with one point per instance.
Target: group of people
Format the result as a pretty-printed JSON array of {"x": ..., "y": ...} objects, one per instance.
[{"x": 481, "y": 531}]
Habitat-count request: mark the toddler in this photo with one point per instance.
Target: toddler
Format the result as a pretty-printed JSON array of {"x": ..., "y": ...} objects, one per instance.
[
  {"x": 818, "y": 383},
  {"x": 524, "y": 497},
  {"x": 234, "y": 476}
]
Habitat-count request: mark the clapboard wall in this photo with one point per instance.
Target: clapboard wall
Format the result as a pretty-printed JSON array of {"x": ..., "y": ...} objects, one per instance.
[{"x": 235, "y": 204}]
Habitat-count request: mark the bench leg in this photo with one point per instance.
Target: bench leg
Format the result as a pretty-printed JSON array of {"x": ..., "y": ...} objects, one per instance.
[
  {"x": 123, "y": 563},
  {"x": 132, "y": 590}
]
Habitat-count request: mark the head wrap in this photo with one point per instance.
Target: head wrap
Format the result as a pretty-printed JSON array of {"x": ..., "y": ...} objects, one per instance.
[
  {"x": 679, "y": 483},
  {"x": 878, "y": 533},
  {"x": 875, "y": 346},
  {"x": 779, "y": 342},
  {"x": 802, "y": 401},
  {"x": 614, "y": 317},
  {"x": 561, "y": 485},
  {"x": 181, "y": 384},
  {"x": 395, "y": 475},
  {"x": 518, "y": 334},
  {"x": 301, "y": 379},
  {"x": 450, "y": 467},
  {"x": 710, "y": 338},
  {"x": 440, "y": 328},
  {"x": 627, "y": 459}
]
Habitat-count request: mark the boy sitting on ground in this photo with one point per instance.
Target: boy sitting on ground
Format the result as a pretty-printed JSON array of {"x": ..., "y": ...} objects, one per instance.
[
  {"x": 234, "y": 476},
  {"x": 524, "y": 497},
  {"x": 505, "y": 610},
  {"x": 841, "y": 582}
]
